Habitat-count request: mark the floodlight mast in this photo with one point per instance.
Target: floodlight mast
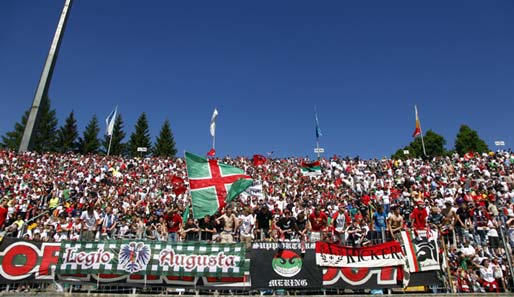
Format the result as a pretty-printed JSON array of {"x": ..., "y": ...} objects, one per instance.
[{"x": 41, "y": 94}]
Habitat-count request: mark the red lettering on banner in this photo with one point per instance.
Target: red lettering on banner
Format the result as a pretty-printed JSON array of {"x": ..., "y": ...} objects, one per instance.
[
  {"x": 386, "y": 274},
  {"x": 360, "y": 276},
  {"x": 355, "y": 275},
  {"x": 49, "y": 259},
  {"x": 18, "y": 271},
  {"x": 330, "y": 273}
]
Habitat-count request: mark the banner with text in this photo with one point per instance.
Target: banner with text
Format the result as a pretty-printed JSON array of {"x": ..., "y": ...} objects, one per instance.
[
  {"x": 152, "y": 258},
  {"x": 280, "y": 265},
  {"x": 26, "y": 261},
  {"x": 380, "y": 255},
  {"x": 363, "y": 278}
]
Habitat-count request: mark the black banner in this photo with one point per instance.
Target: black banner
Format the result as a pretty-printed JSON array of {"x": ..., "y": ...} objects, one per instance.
[
  {"x": 277, "y": 265},
  {"x": 425, "y": 278}
]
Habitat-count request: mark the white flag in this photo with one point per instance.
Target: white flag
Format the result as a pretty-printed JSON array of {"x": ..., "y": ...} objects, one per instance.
[
  {"x": 213, "y": 122},
  {"x": 109, "y": 121}
]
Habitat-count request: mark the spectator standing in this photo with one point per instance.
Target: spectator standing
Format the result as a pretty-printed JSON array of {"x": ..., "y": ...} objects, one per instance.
[
  {"x": 174, "y": 223},
  {"x": 208, "y": 228},
  {"x": 229, "y": 226},
  {"x": 262, "y": 224},
  {"x": 379, "y": 225},
  {"x": 319, "y": 224},
  {"x": 90, "y": 220},
  {"x": 246, "y": 227}
]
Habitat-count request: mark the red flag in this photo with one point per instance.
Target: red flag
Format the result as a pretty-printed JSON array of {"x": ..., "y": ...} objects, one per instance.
[
  {"x": 211, "y": 153},
  {"x": 469, "y": 155},
  {"x": 258, "y": 160},
  {"x": 417, "y": 130},
  {"x": 176, "y": 180},
  {"x": 178, "y": 185}
]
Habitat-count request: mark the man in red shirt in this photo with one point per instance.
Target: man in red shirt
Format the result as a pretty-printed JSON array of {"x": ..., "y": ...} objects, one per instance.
[
  {"x": 3, "y": 214},
  {"x": 419, "y": 217},
  {"x": 174, "y": 222},
  {"x": 319, "y": 224}
]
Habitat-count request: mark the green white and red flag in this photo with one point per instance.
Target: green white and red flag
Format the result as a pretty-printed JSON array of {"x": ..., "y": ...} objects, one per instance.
[
  {"x": 213, "y": 184},
  {"x": 311, "y": 169}
]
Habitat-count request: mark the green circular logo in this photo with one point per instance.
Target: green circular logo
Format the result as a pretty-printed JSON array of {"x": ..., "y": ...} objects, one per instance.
[{"x": 287, "y": 263}]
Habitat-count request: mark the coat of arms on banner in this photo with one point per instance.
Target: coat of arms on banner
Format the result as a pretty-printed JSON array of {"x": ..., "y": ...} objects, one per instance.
[{"x": 134, "y": 257}]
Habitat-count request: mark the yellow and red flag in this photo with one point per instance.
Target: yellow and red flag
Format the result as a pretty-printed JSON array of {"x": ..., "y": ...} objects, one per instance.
[{"x": 417, "y": 131}]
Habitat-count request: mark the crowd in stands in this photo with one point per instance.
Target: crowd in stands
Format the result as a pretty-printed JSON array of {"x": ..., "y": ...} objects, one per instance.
[{"x": 468, "y": 199}]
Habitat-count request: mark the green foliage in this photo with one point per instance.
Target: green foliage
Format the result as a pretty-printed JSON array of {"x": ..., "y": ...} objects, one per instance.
[
  {"x": 434, "y": 146},
  {"x": 46, "y": 131},
  {"x": 11, "y": 140},
  {"x": 165, "y": 144},
  {"x": 118, "y": 148},
  {"x": 44, "y": 135},
  {"x": 467, "y": 140},
  {"x": 89, "y": 143},
  {"x": 67, "y": 135},
  {"x": 140, "y": 137}
]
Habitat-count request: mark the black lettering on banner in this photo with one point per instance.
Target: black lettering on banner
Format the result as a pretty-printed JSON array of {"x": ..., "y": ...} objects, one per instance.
[{"x": 288, "y": 269}]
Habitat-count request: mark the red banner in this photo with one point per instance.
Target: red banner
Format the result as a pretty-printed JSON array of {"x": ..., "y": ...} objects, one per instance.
[{"x": 380, "y": 255}]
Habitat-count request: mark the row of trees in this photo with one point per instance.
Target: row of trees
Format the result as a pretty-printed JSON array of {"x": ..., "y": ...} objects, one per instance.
[
  {"x": 49, "y": 138},
  {"x": 467, "y": 140}
]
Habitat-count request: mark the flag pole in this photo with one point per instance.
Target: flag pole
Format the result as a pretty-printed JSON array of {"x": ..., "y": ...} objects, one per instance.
[
  {"x": 423, "y": 144},
  {"x": 109, "y": 148},
  {"x": 420, "y": 130},
  {"x": 318, "y": 131},
  {"x": 422, "y": 141},
  {"x": 317, "y": 147}
]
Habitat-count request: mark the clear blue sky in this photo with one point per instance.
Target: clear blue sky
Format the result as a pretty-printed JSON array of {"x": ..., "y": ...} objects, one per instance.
[{"x": 265, "y": 65}]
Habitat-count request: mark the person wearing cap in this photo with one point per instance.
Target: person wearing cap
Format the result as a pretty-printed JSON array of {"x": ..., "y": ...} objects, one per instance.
[{"x": 419, "y": 217}]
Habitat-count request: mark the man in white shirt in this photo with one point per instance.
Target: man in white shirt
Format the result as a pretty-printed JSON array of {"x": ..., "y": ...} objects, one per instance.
[
  {"x": 246, "y": 226},
  {"x": 90, "y": 220}
]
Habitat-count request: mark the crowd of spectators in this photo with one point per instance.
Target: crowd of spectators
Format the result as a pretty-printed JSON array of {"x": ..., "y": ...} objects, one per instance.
[{"x": 468, "y": 199}]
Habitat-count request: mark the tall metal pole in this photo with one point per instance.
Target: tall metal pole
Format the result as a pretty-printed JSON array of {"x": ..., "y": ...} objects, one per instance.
[{"x": 44, "y": 81}]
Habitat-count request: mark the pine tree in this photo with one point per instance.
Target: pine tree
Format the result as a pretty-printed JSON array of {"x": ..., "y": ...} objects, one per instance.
[
  {"x": 44, "y": 137},
  {"x": 11, "y": 140},
  {"x": 67, "y": 135},
  {"x": 46, "y": 130},
  {"x": 118, "y": 148},
  {"x": 467, "y": 140},
  {"x": 89, "y": 143},
  {"x": 140, "y": 137},
  {"x": 165, "y": 144}
]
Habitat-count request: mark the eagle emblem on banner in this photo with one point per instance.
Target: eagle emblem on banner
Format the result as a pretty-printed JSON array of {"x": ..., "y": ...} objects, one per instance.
[{"x": 134, "y": 257}]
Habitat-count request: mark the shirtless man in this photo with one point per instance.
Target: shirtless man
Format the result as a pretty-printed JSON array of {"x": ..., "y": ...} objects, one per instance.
[
  {"x": 230, "y": 225},
  {"x": 395, "y": 223}
]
